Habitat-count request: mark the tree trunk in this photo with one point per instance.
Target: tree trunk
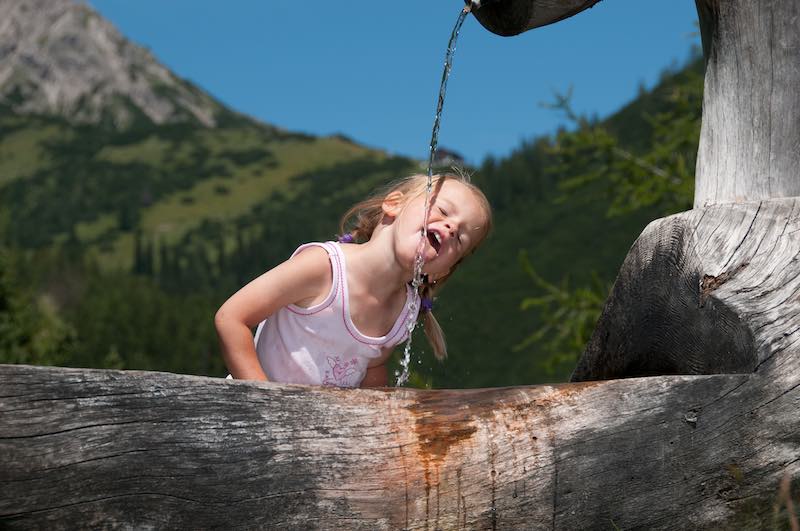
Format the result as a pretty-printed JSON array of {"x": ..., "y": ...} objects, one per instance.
[
  {"x": 750, "y": 137},
  {"x": 714, "y": 290}
]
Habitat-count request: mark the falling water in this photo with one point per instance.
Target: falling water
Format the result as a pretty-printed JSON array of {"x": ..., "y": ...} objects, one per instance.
[{"x": 419, "y": 260}]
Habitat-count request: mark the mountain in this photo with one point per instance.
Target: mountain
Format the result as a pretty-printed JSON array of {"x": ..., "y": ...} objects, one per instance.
[
  {"x": 124, "y": 192},
  {"x": 99, "y": 141},
  {"x": 60, "y": 57}
]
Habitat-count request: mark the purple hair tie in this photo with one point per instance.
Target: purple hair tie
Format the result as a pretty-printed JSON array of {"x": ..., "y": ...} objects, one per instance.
[
  {"x": 426, "y": 304},
  {"x": 347, "y": 238}
]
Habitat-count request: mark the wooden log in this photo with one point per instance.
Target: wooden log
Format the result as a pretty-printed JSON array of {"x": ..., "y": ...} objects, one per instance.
[
  {"x": 90, "y": 448},
  {"x": 712, "y": 290},
  {"x": 512, "y": 17},
  {"x": 750, "y": 134},
  {"x": 135, "y": 449}
]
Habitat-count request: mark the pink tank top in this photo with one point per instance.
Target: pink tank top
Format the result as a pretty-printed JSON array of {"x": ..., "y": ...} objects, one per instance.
[{"x": 320, "y": 345}]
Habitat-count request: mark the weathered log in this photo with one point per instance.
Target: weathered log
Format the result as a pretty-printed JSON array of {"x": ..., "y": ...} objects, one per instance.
[
  {"x": 91, "y": 448},
  {"x": 750, "y": 134},
  {"x": 712, "y": 290}
]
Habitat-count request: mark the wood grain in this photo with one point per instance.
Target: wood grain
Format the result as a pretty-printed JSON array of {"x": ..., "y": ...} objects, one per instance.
[{"x": 714, "y": 290}]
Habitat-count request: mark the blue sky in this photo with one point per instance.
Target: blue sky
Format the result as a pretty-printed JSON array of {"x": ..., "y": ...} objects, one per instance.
[{"x": 370, "y": 69}]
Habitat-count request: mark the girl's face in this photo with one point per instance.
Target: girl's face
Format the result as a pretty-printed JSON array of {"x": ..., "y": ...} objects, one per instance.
[{"x": 456, "y": 224}]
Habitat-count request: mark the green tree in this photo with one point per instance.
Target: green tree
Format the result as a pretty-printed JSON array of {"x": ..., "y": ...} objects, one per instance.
[
  {"x": 568, "y": 317},
  {"x": 657, "y": 172},
  {"x": 661, "y": 174},
  {"x": 31, "y": 331}
]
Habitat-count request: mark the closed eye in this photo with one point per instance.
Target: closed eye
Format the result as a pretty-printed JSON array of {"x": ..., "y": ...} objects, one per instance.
[{"x": 444, "y": 213}]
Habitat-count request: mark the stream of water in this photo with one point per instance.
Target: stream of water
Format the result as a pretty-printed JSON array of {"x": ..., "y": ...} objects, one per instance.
[{"x": 419, "y": 260}]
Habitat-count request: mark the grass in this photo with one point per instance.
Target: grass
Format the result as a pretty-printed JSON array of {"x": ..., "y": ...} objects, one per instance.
[
  {"x": 152, "y": 150},
  {"x": 22, "y": 152},
  {"x": 178, "y": 213}
]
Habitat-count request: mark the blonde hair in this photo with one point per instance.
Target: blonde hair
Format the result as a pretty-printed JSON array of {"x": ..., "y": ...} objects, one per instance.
[{"x": 362, "y": 219}]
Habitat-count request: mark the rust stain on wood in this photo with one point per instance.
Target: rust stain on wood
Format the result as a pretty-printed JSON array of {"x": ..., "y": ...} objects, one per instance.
[
  {"x": 447, "y": 428},
  {"x": 445, "y": 419},
  {"x": 710, "y": 283},
  {"x": 440, "y": 424}
]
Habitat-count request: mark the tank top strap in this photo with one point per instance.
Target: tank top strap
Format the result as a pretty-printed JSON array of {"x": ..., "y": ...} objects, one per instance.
[
  {"x": 399, "y": 331},
  {"x": 336, "y": 292}
]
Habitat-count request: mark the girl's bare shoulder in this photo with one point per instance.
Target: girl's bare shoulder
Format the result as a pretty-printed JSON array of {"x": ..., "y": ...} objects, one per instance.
[{"x": 312, "y": 266}]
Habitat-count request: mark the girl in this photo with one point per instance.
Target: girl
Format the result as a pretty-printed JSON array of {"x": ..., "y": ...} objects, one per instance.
[{"x": 332, "y": 313}]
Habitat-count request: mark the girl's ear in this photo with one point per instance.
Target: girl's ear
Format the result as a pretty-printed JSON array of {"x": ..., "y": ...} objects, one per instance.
[{"x": 393, "y": 203}]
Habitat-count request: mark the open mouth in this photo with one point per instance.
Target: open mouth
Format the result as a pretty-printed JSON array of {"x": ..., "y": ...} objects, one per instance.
[{"x": 435, "y": 240}]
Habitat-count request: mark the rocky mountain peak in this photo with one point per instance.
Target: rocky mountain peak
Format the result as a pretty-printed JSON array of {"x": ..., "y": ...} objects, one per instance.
[{"x": 61, "y": 57}]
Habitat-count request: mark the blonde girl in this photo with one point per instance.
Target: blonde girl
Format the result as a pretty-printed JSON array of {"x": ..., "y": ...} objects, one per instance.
[{"x": 334, "y": 311}]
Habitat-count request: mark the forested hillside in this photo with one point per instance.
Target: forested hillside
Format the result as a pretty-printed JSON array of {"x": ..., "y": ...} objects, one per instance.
[{"x": 119, "y": 242}]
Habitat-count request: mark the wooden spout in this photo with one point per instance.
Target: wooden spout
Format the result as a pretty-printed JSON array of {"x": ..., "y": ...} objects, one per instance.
[{"x": 512, "y": 17}]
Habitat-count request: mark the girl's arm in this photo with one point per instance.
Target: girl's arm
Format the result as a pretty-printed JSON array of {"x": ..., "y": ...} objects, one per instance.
[{"x": 300, "y": 280}]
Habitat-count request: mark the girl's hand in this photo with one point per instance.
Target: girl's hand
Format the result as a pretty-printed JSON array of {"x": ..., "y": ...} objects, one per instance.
[{"x": 303, "y": 279}]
